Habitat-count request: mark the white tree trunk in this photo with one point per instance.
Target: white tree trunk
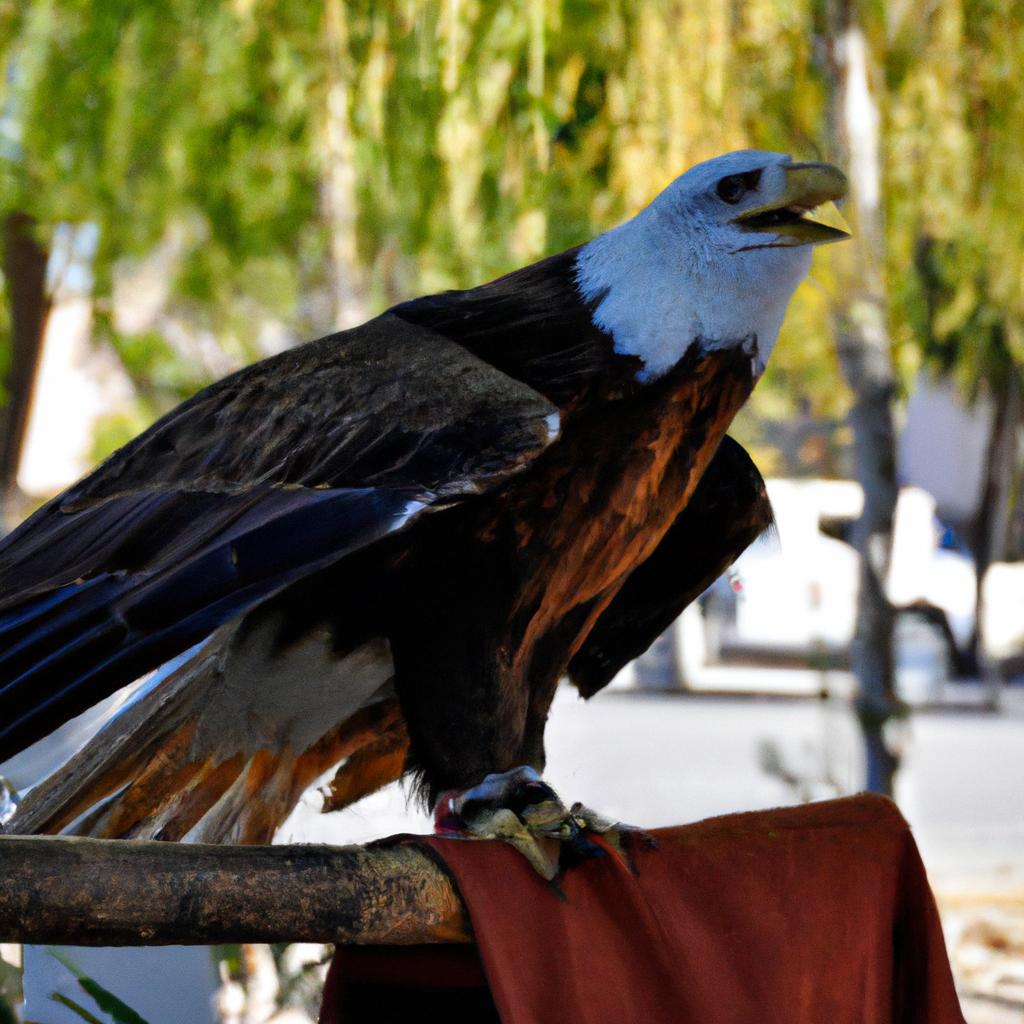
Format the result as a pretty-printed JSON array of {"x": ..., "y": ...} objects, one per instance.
[
  {"x": 338, "y": 176},
  {"x": 864, "y": 354}
]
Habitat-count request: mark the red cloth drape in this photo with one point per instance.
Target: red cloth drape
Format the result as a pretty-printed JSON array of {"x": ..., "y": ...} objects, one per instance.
[{"x": 819, "y": 914}]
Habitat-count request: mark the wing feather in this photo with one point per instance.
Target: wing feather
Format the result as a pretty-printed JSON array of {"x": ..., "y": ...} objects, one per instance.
[
  {"x": 267, "y": 476},
  {"x": 729, "y": 510}
]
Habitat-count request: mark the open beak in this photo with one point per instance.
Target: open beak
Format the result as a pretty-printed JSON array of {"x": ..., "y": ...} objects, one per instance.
[{"x": 807, "y": 187}]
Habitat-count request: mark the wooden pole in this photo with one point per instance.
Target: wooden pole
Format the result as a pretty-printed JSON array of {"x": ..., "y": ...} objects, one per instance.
[{"x": 109, "y": 892}]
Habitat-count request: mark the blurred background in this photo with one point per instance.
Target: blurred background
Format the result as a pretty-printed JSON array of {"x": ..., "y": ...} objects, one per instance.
[{"x": 188, "y": 186}]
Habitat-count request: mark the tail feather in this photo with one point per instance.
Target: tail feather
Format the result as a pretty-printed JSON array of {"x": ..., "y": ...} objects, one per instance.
[
  {"x": 169, "y": 805},
  {"x": 160, "y": 768},
  {"x": 272, "y": 783},
  {"x": 139, "y": 736},
  {"x": 372, "y": 767}
]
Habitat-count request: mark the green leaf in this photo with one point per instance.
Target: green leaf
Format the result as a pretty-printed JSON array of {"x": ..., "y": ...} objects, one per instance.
[
  {"x": 119, "y": 1011},
  {"x": 77, "y": 1008},
  {"x": 109, "y": 1003}
]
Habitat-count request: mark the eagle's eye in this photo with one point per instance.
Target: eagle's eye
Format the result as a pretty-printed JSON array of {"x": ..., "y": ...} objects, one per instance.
[{"x": 731, "y": 189}]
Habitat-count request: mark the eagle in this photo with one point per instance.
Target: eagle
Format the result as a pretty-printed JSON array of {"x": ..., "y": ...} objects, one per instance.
[{"x": 379, "y": 552}]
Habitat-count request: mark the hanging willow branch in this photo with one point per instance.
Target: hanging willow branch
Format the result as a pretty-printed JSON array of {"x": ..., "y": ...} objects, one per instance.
[{"x": 102, "y": 892}]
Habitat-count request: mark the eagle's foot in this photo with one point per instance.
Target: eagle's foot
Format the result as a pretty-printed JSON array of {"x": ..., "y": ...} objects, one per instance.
[{"x": 518, "y": 807}]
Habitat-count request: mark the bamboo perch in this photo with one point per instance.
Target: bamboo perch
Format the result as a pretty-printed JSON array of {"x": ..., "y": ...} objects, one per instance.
[{"x": 108, "y": 892}]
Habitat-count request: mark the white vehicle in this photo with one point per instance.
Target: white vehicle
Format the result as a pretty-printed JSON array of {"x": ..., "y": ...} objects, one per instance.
[{"x": 793, "y": 595}]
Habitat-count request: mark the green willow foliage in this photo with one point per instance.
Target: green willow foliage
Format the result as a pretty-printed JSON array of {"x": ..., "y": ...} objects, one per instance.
[
  {"x": 313, "y": 155},
  {"x": 955, "y": 175}
]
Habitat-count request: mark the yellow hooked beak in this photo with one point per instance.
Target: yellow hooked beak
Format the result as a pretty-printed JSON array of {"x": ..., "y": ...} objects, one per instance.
[{"x": 806, "y": 187}]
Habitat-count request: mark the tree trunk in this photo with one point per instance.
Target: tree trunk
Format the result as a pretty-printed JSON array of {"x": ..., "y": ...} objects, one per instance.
[
  {"x": 24, "y": 266},
  {"x": 866, "y": 361},
  {"x": 990, "y": 531},
  {"x": 338, "y": 176},
  {"x": 658, "y": 668}
]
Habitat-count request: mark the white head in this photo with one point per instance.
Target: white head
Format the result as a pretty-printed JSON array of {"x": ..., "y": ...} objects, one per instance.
[{"x": 715, "y": 258}]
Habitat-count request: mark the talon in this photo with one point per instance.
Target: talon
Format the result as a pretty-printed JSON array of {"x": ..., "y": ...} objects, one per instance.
[{"x": 522, "y": 810}]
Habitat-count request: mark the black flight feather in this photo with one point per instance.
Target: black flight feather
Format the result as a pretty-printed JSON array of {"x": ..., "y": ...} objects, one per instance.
[{"x": 264, "y": 477}]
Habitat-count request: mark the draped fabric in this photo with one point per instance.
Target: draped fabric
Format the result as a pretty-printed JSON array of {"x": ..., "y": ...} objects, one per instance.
[{"x": 802, "y": 915}]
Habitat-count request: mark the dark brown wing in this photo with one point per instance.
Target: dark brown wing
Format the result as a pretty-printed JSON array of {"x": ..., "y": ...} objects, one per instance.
[
  {"x": 260, "y": 479},
  {"x": 728, "y": 511}
]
